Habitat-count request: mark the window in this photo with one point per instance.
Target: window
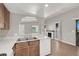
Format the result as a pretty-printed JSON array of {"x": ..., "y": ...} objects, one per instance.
[
  {"x": 21, "y": 29},
  {"x": 35, "y": 29}
]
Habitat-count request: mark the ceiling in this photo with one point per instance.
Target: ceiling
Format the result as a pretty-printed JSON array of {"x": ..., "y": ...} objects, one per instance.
[{"x": 39, "y": 9}]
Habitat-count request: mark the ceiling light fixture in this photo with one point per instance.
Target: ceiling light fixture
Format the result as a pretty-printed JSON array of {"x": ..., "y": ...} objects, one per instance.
[
  {"x": 28, "y": 19},
  {"x": 46, "y": 5}
]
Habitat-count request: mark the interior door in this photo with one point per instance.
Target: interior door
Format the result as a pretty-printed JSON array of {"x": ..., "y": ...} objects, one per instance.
[{"x": 77, "y": 32}]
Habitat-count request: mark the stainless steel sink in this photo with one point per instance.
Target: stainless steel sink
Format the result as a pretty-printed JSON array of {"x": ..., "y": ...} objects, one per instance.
[{"x": 24, "y": 39}]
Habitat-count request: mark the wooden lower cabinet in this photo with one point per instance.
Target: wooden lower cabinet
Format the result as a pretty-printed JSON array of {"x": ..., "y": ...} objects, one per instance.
[
  {"x": 22, "y": 52},
  {"x": 22, "y": 49},
  {"x": 30, "y": 48},
  {"x": 34, "y": 48}
]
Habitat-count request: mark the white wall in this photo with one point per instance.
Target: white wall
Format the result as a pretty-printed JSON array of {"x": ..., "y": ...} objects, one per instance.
[{"x": 68, "y": 25}]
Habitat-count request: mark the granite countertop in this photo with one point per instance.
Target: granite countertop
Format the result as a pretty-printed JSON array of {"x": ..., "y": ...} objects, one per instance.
[
  {"x": 6, "y": 46},
  {"x": 30, "y": 39},
  {"x": 27, "y": 40}
]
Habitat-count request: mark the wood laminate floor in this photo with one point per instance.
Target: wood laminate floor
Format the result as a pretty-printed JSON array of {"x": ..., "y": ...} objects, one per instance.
[{"x": 63, "y": 49}]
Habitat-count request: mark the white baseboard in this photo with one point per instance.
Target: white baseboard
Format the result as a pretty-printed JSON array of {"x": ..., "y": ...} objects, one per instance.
[{"x": 67, "y": 42}]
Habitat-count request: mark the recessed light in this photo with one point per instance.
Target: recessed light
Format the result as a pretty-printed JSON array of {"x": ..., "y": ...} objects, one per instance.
[
  {"x": 33, "y": 12},
  {"x": 46, "y": 5}
]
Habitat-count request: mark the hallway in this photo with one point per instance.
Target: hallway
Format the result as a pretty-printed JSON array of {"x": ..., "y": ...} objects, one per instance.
[{"x": 63, "y": 49}]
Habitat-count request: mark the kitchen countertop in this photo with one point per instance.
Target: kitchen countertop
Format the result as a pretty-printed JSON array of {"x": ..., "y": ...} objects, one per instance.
[
  {"x": 6, "y": 45},
  {"x": 27, "y": 40},
  {"x": 31, "y": 39}
]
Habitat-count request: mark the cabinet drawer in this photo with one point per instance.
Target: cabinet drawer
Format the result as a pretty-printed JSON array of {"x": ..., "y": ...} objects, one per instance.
[
  {"x": 34, "y": 42},
  {"x": 21, "y": 45}
]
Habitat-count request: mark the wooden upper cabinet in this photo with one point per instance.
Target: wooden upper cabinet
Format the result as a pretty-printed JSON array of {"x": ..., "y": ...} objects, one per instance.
[
  {"x": 1, "y": 16},
  {"x": 4, "y": 17}
]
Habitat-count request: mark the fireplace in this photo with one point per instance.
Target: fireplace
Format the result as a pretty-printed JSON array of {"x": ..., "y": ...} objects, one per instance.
[{"x": 50, "y": 35}]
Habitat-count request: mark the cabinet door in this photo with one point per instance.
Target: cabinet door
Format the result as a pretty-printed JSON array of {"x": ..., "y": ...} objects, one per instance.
[
  {"x": 22, "y": 49},
  {"x": 6, "y": 18},
  {"x": 34, "y": 48},
  {"x": 22, "y": 52},
  {"x": 1, "y": 16}
]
